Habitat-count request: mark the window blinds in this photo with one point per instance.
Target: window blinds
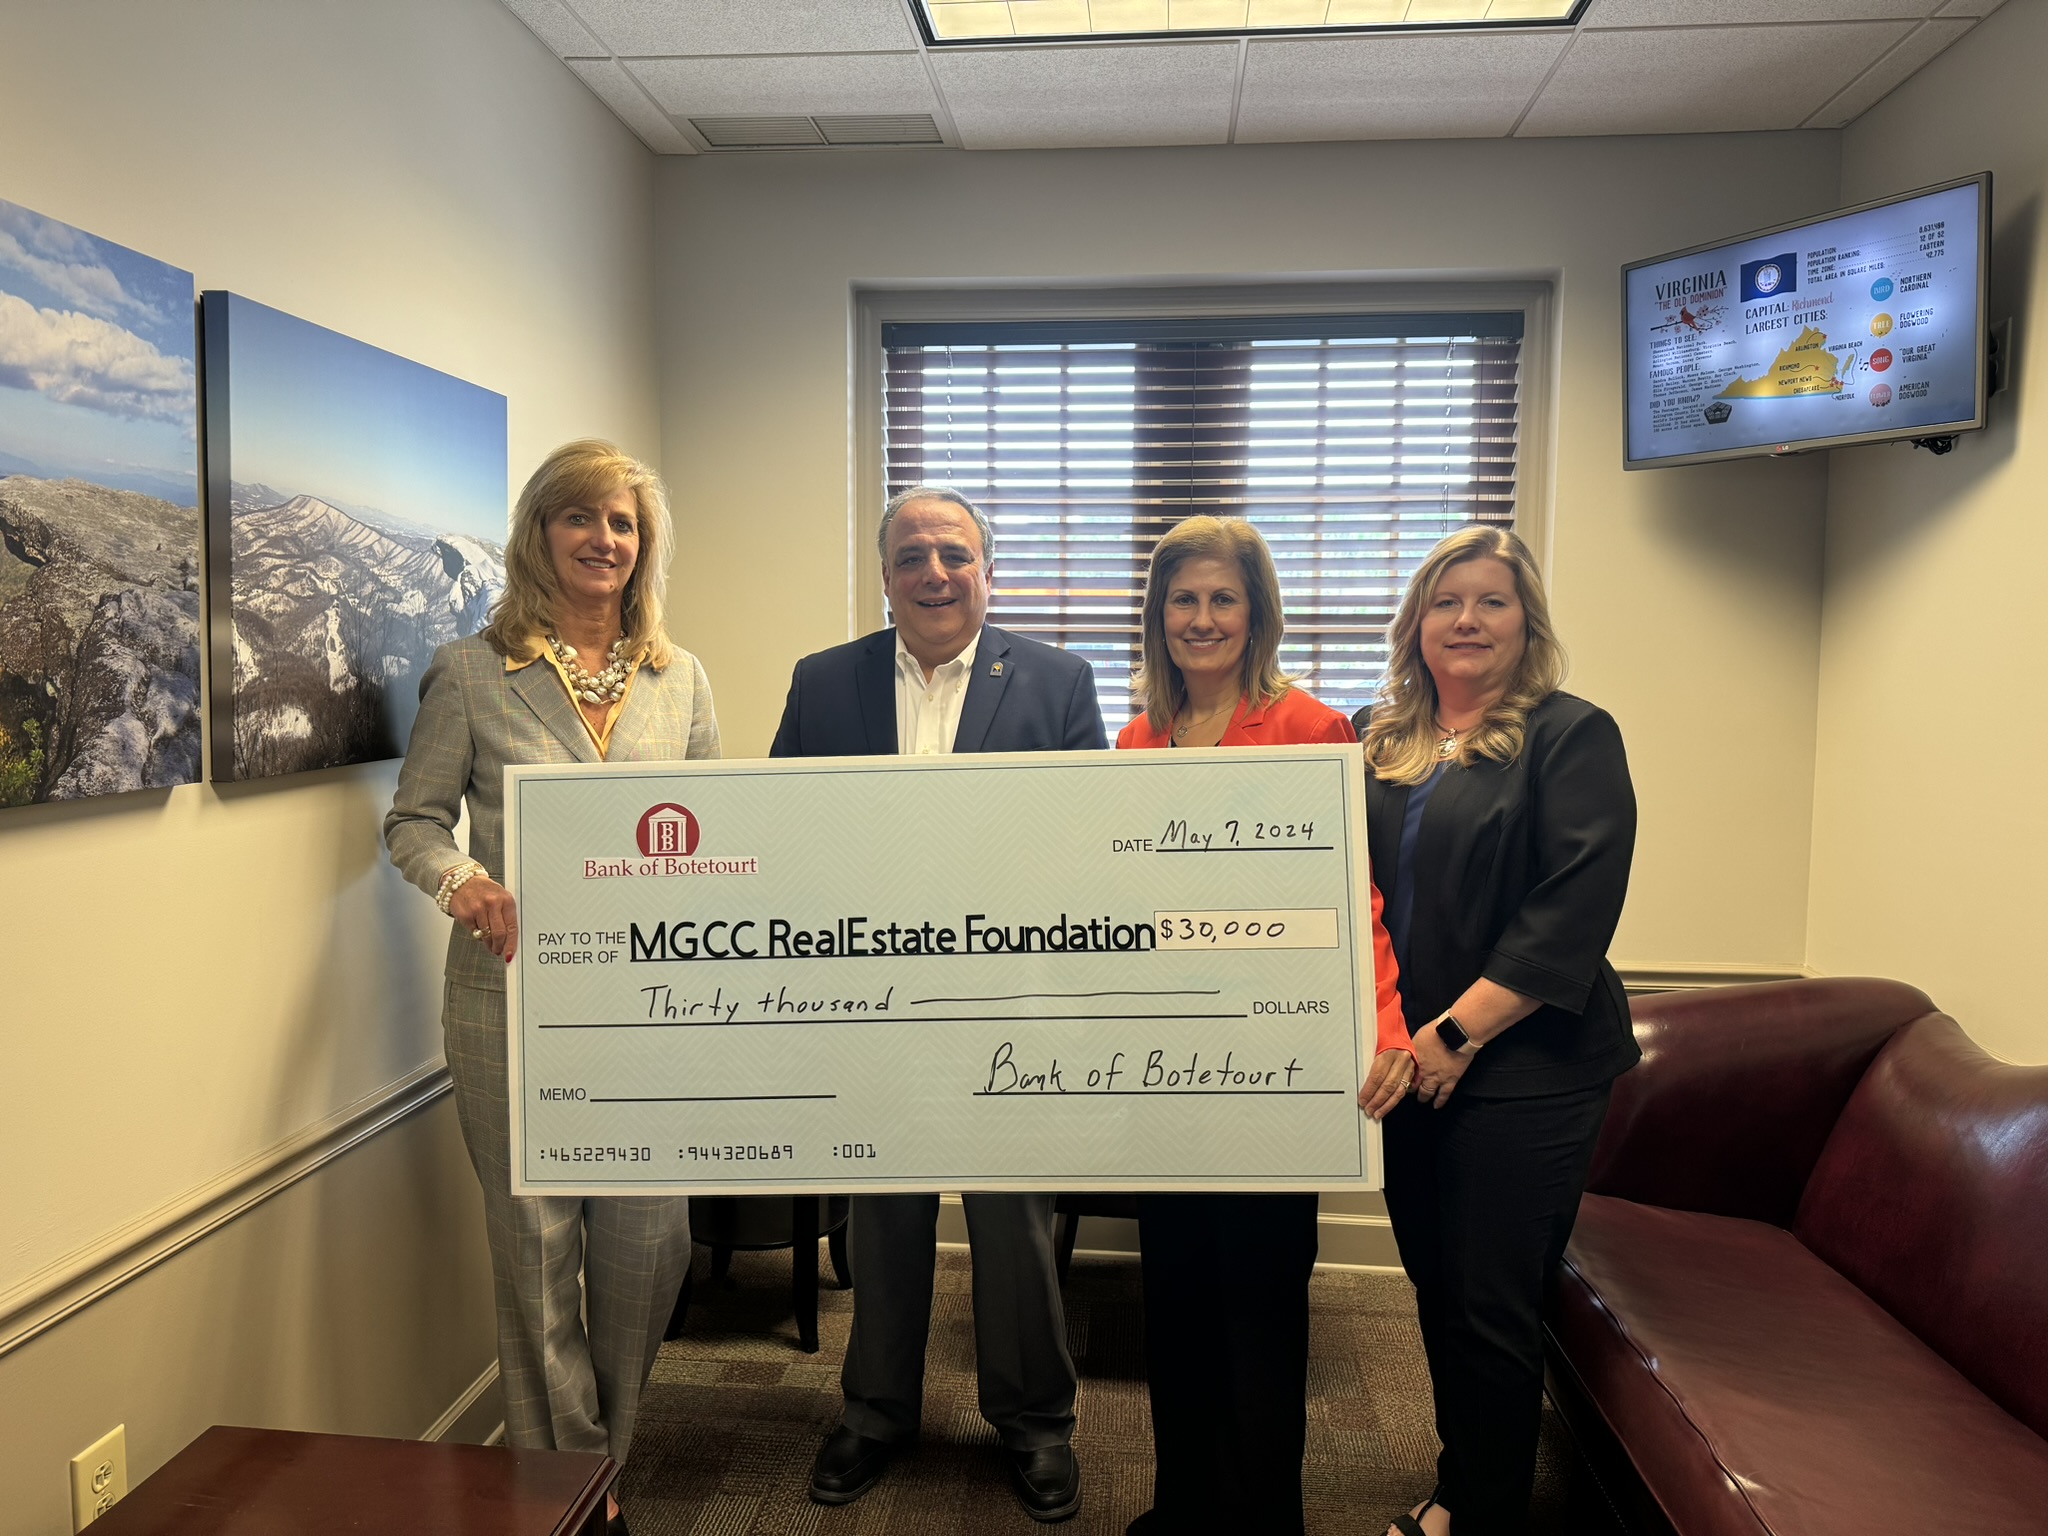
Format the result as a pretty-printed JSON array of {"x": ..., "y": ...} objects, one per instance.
[{"x": 1352, "y": 443}]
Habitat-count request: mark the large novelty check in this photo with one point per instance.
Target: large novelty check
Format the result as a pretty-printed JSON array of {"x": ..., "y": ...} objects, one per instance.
[{"x": 1112, "y": 970}]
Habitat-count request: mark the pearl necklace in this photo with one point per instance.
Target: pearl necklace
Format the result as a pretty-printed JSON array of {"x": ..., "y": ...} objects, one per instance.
[{"x": 605, "y": 687}]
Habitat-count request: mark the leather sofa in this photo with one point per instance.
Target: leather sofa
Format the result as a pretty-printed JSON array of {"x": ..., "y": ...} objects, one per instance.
[{"x": 1808, "y": 1288}]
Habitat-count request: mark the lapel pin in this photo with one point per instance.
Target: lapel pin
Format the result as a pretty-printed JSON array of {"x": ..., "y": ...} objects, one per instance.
[{"x": 995, "y": 669}]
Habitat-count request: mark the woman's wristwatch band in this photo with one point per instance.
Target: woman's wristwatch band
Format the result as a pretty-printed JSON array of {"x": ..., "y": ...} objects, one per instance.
[{"x": 1451, "y": 1032}]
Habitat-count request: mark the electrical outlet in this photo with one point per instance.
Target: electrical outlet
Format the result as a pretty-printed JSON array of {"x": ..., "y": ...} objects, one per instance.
[{"x": 99, "y": 1477}]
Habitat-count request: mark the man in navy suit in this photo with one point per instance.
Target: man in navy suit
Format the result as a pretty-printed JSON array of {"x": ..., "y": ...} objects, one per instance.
[{"x": 945, "y": 680}]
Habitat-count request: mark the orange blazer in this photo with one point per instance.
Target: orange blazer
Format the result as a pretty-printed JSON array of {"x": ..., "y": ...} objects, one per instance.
[{"x": 1297, "y": 719}]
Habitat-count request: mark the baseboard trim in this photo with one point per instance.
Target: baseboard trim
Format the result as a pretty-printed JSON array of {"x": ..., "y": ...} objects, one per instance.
[
  {"x": 46, "y": 1298},
  {"x": 1345, "y": 1240},
  {"x": 472, "y": 1404},
  {"x": 1692, "y": 975}
]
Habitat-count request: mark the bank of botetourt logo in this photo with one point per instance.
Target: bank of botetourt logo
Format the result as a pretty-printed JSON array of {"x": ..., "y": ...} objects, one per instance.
[
  {"x": 668, "y": 835},
  {"x": 669, "y": 829}
]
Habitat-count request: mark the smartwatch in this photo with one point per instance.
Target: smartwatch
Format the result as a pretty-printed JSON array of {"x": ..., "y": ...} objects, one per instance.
[{"x": 1452, "y": 1033}]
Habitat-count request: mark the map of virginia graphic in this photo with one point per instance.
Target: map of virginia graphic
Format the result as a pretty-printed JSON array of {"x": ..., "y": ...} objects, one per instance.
[{"x": 1804, "y": 368}]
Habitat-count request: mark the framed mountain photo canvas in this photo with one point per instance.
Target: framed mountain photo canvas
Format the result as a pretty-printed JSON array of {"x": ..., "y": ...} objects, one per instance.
[
  {"x": 100, "y": 555},
  {"x": 356, "y": 521}
]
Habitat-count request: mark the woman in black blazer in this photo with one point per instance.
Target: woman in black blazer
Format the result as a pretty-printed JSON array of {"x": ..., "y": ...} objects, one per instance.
[{"x": 1502, "y": 824}]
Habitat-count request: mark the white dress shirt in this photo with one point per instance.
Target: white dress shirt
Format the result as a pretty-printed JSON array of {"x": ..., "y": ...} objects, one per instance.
[{"x": 928, "y": 713}]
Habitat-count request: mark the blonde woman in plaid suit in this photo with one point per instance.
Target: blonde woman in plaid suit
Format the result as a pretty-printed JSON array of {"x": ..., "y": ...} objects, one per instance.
[{"x": 573, "y": 667}]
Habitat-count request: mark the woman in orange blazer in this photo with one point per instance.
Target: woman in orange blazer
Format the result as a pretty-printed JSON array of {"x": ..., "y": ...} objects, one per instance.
[{"x": 1226, "y": 1274}]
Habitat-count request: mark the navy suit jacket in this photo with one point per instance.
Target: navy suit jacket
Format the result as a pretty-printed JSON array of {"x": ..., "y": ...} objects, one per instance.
[{"x": 1022, "y": 697}]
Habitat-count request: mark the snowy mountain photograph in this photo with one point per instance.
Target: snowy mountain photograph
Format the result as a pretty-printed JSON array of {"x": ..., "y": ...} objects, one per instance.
[
  {"x": 100, "y": 558},
  {"x": 358, "y": 514}
]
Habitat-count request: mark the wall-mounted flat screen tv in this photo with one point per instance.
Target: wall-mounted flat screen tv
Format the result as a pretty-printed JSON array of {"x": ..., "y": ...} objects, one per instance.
[{"x": 1857, "y": 327}]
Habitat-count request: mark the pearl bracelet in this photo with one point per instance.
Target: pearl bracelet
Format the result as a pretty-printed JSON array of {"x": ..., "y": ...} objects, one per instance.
[{"x": 454, "y": 881}]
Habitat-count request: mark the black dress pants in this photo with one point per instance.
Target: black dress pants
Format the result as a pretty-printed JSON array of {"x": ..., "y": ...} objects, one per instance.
[
  {"x": 1022, "y": 1368},
  {"x": 1483, "y": 1194},
  {"x": 1226, "y": 1359}
]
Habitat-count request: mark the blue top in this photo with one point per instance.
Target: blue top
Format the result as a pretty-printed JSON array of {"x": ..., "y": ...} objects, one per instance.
[{"x": 1400, "y": 908}]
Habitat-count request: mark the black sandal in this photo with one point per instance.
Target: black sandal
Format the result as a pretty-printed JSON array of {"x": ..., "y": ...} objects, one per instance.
[{"x": 1411, "y": 1525}]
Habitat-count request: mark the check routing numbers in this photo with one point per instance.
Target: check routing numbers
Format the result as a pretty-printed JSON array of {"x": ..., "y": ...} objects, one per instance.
[{"x": 832, "y": 1019}]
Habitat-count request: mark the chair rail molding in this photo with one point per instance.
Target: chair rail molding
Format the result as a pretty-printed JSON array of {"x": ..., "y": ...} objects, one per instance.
[{"x": 49, "y": 1296}]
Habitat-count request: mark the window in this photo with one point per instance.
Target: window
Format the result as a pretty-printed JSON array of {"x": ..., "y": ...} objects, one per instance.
[{"x": 1353, "y": 444}]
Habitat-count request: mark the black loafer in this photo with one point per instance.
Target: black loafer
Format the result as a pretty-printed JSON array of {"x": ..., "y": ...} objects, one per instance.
[
  {"x": 1048, "y": 1482},
  {"x": 848, "y": 1465}
]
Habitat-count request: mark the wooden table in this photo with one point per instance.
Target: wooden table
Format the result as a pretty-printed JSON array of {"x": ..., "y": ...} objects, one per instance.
[{"x": 260, "y": 1482}]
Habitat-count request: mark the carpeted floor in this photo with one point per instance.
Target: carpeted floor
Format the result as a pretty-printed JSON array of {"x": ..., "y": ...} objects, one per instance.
[{"x": 735, "y": 1413}]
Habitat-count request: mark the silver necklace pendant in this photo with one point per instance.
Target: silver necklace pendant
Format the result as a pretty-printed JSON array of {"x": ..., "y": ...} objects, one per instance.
[{"x": 1448, "y": 746}]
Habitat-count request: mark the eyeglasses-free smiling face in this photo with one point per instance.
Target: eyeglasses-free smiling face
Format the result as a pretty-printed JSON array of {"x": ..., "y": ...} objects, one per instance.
[
  {"x": 1474, "y": 631},
  {"x": 936, "y": 579},
  {"x": 595, "y": 548},
  {"x": 1208, "y": 618}
]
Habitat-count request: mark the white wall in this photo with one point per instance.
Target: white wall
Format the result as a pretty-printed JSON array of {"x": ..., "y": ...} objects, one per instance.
[
  {"x": 1930, "y": 821},
  {"x": 1688, "y": 597},
  {"x": 192, "y": 976}
]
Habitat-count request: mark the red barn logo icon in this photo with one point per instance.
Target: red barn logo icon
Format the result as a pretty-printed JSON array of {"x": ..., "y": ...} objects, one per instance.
[{"x": 669, "y": 829}]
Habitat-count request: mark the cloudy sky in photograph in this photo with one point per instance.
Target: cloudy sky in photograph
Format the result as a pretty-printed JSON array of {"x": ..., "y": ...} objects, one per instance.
[{"x": 97, "y": 361}]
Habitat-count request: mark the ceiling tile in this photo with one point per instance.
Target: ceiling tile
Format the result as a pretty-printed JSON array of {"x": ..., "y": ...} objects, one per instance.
[
  {"x": 1970, "y": 7},
  {"x": 1464, "y": 85},
  {"x": 616, "y": 89},
  {"x": 1057, "y": 98},
  {"x": 1721, "y": 13},
  {"x": 556, "y": 25},
  {"x": 748, "y": 26},
  {"x": 765, "y": 84},
  {"x": 1890, "y": 72},
  {"x": 1709, "y": 80}
]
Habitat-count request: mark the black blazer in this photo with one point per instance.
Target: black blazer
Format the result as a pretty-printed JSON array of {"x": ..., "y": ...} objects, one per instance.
[
  {"x": 1022, "y": 697},
  {"x": 1520, "y": 872}
]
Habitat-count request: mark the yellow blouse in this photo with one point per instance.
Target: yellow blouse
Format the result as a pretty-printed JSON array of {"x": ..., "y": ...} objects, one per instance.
[{"x": 601, "y": 739}]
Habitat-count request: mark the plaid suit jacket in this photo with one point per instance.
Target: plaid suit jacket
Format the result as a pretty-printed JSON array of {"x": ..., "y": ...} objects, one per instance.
[{"x": 475, "y": 717}]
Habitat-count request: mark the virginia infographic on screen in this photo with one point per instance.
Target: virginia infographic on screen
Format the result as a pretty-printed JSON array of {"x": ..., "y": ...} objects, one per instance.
[{"x": 1864, "y": 323}]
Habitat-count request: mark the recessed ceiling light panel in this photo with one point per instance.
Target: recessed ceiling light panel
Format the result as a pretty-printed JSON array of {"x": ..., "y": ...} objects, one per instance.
[{"x": 1043, "y": 21}]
